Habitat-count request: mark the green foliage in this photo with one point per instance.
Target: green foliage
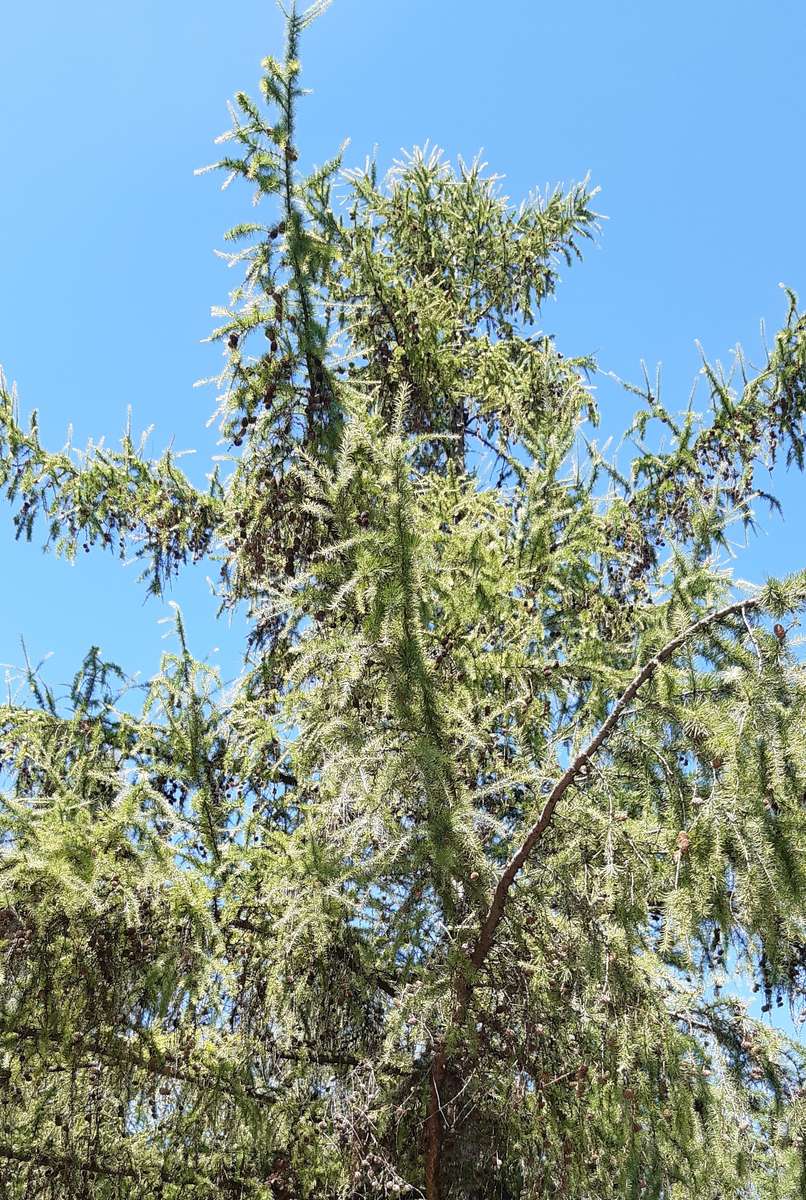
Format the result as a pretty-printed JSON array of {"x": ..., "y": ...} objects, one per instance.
[
  {"x": 449, "y": 896},
  {"x": 117, "y": 499}
]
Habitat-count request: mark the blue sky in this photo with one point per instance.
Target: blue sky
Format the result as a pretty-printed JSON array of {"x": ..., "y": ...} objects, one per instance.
[{"x": 688, "y": 116}]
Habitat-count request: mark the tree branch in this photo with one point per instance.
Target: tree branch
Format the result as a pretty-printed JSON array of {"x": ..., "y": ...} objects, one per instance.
[
  {"x": 491, "y": 922},
  {"x": 49, "y": 1159},
  {"x": 485, "y": 941}
]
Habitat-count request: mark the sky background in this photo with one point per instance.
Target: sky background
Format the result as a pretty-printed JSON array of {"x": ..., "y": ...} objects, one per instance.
[{"x": 689, "y": 117}]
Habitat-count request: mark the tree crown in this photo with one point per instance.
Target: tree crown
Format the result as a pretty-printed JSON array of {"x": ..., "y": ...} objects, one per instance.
[{"x": 441, "y": 898}]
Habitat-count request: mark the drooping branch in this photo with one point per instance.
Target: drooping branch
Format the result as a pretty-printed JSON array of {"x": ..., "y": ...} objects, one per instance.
[
  {"x": 64, "y": 1162},
  {"x": 121, "y": 1053},
  {"x": 117, "y": 498},
  {"x": 55, "y": 1162}
]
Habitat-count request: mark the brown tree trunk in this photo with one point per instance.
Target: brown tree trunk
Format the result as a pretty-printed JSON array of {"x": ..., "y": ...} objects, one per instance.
[{"x": 433, "y": 1126}]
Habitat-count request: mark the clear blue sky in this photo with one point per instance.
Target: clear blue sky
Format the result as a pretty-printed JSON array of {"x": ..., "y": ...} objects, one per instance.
[{"x": 689, "y": 116}]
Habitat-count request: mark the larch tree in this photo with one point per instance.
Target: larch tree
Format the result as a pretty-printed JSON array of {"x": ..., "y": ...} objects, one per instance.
[{"x": 445, "y": 898}]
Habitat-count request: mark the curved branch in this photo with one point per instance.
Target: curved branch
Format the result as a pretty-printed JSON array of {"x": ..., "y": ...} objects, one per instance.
[{"x": 495, "y": 912}]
